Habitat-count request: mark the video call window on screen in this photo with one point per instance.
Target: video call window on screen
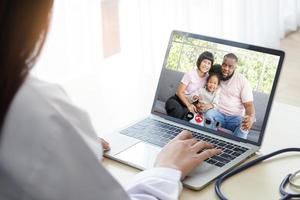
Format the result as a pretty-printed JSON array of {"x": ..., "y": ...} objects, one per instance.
[{"x": 251, "y": 81}]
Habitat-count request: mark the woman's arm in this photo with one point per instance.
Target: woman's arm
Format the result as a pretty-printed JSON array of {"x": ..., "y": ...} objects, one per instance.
[{"x": 180, "y": 93}]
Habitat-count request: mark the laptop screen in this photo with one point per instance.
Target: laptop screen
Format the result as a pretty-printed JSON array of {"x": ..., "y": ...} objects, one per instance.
[{"x": 219, "y": 86}]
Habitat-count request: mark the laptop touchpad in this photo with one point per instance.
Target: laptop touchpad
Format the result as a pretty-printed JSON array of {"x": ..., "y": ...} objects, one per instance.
[{"x": 141, "y": 155}]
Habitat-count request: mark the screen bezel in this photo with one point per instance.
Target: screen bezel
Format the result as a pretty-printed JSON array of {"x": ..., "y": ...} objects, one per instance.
[{"x": 275, "y": 52}]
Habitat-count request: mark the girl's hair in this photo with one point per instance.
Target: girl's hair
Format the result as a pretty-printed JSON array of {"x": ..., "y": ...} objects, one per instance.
[
  {"x": 216, "y": 69},
  {"x": 205, "y": 55},
  {"x": 23, "y": 29},
  {"x": 213, "y": 74}
]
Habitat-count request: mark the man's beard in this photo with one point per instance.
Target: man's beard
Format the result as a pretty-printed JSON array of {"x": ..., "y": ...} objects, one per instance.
[{"x": 227, "y": 77}]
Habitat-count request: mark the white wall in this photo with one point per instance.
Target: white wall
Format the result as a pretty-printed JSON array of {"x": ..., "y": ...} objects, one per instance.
[{"x": 122, "y": 87}]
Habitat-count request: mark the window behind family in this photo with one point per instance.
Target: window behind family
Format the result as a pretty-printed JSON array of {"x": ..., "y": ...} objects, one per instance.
[{"x": 217, "y": 86}]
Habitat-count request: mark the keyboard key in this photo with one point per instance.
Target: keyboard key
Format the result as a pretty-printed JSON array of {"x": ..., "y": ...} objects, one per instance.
[
  {"x": 213, "y": 142},
  {"x": 174, "y": 133},
  {"x": 227, "y": 156},
  {"x": 220, "y": 159},
  {"x": 244, "y": 148},
  {"x": 228, "y": 151},
  {"x": 221, "y": 144},
  {"x": 236, "y": 154},
  {"x": 239, "y": 150},
  {"x": 221, "y": 148},
  {"x": 206, "y": 140},
  {"x": 219, "y": 164},
  {"x": 211, "y": 161},
  {"x": 199, "y": 137},
  {"x": 229, "y": 146},
  {"x": 171, "y": 137}
]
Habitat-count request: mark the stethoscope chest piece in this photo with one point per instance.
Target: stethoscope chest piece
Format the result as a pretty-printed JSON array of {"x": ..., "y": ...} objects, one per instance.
[{"x": 290, "y": 178}]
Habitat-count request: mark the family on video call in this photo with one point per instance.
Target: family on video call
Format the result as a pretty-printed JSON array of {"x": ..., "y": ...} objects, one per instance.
[{"x": 215, "y": 96}]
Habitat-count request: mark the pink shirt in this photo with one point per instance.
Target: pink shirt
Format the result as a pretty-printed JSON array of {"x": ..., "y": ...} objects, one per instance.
[
  {"x": 193, "y": 81},
  {"x": 234, "y": 92}
]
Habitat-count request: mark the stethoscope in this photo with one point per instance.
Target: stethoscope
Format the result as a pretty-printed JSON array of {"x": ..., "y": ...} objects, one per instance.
[{"x": 290, "y": 178}]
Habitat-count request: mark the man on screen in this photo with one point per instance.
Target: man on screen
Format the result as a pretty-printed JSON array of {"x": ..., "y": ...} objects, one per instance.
[{"x": 235, "y": 110}]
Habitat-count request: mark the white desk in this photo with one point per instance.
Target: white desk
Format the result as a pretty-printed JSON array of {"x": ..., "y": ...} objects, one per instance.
[{"x": 259, "y": 182}]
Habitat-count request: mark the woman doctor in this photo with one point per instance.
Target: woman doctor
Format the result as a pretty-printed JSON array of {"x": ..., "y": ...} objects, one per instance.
[{"x": 48, "y": 147}]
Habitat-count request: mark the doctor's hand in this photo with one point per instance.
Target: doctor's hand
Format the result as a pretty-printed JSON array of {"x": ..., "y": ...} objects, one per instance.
[
  {"x": 182, "y": 153},
  {"x": 105, "y": 145}
]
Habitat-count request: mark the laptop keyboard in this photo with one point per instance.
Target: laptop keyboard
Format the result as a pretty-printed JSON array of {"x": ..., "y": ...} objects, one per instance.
[{"x": 160, "y": 133}]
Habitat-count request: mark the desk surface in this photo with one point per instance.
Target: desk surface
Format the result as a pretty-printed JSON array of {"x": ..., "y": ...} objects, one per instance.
[{"x": 259, "y": 182}]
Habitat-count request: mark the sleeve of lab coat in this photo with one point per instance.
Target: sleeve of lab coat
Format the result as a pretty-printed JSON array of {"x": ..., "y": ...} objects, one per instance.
[{"x": 156, "y": 183}]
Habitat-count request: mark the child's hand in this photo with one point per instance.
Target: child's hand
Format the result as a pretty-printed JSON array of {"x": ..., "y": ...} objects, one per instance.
[
  {"x": 192, "y": 108},
  {"x": 203, "y": 107},
  {"x": 195, "y": 97}
]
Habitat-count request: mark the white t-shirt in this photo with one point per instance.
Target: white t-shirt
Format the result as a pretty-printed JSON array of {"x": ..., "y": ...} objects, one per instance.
[
  {"x": 48, "y": 149},
  {"x": 207, "y": 97},
  {"x": 193, "y": 81},
  {"x": 234, "y": 92}
]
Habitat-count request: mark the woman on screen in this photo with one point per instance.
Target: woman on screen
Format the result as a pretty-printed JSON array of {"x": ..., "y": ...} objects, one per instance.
[{"x": 179, "y": 104}]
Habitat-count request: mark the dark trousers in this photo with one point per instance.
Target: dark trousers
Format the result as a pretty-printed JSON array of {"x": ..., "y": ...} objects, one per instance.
[{"x": 176, "y": 108}]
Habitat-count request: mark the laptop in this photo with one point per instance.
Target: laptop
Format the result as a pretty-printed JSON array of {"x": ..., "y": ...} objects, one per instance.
[{"x": 139, "y": 143}]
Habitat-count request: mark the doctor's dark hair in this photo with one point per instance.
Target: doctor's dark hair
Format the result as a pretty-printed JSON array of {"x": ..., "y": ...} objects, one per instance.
[
  {"x": 23, "y": 29},
  {"x": 205, "y": 55}
]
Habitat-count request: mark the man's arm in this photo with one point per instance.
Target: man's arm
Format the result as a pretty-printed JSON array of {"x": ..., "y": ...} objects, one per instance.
[{"x": 249, "y": 115}]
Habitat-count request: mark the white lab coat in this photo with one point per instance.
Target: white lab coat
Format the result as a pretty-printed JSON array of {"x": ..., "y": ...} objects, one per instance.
[{"x": 49, "y": 150}]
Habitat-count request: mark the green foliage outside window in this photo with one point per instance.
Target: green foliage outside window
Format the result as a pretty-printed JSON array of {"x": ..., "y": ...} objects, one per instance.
[{"x": 258, "y": 68}]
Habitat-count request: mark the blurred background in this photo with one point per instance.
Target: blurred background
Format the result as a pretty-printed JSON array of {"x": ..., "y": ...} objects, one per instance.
[{"x": 108, "y": 54}]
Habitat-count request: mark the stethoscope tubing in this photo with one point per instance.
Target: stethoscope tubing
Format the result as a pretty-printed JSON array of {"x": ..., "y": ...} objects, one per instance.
[
  {"x": 286, "y": 195},
  {"x": 292, "y": 177},
  {"x": 225, "y": 176}
]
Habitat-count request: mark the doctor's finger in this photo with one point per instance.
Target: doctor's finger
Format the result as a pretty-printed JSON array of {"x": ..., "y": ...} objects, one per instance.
[
  {"x": 183, "y": 135},
  {"x": 207, "y": 154},
  {"x": 200, "y": 146},
  {"x": 104, "y": 144},
  {"x": 190, "y": 142}
]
